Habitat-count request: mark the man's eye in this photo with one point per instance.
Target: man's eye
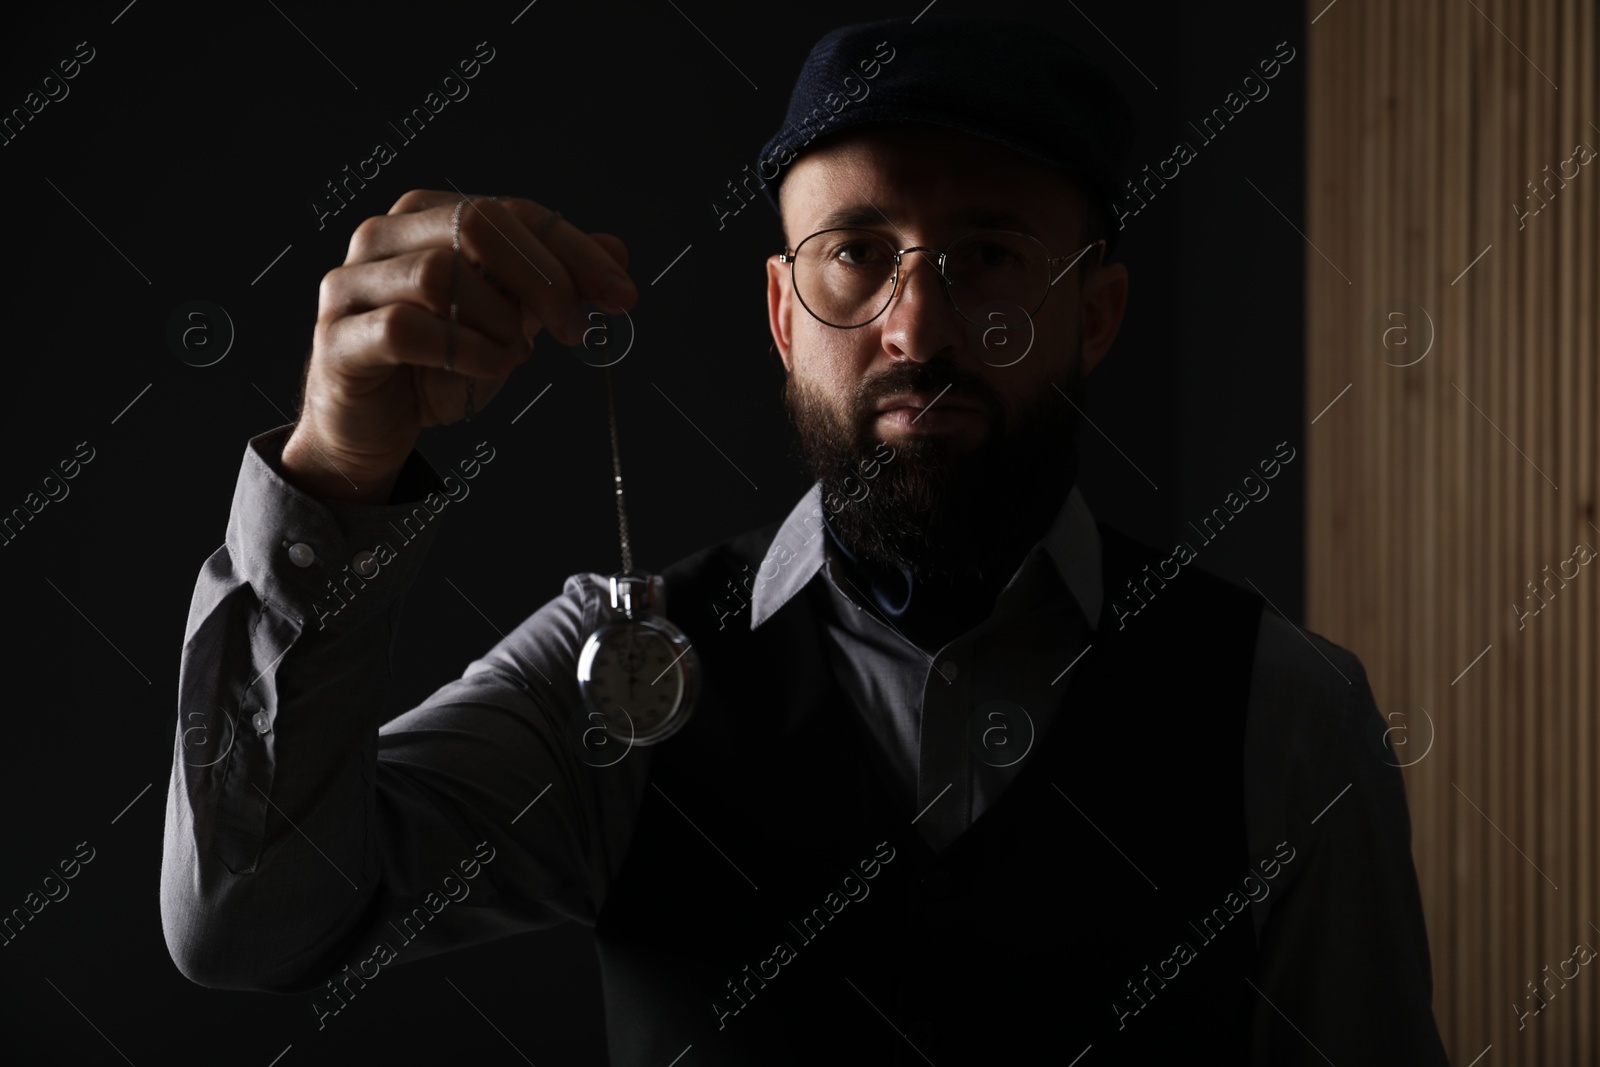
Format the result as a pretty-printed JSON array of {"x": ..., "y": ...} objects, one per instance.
[{"x": 858, "y": 254}]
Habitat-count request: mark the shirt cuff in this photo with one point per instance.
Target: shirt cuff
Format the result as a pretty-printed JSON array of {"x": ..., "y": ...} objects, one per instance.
[{"x": 312, "y": 559}]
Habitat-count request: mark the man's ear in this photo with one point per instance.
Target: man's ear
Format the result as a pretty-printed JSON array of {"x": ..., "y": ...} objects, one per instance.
[
  {"x": 1105, "y": 297},
  {"x": 780, "y": 303}
]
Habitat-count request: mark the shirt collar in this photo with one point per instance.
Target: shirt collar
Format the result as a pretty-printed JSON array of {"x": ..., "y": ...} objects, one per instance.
[
  {"x": 798, "y": 551},
  {"x": 1073, "y": 545}
]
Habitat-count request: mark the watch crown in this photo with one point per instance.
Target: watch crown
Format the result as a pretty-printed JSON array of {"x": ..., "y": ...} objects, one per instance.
[{"x": 635, "y": 593}]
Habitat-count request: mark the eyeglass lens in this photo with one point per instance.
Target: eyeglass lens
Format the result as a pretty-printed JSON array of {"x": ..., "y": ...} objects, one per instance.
[{"x": 846, "y": 277}]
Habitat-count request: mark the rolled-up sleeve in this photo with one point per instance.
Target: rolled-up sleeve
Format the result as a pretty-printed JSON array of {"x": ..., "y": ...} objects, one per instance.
[{"x": 300, "y": 828}]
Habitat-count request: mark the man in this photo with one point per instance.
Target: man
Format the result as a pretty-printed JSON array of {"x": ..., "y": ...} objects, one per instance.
[{"x": 943, "y": 797}]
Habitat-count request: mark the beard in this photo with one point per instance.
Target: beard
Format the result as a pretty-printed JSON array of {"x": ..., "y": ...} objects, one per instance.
[{"x": 949, "y": 520}]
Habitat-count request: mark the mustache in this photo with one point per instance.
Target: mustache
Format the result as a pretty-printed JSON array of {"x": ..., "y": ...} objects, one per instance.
[{"x": 932, "y": 377}]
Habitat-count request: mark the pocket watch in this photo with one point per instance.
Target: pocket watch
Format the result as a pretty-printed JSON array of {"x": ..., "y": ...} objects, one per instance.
[{"x": 638, "y": 673}]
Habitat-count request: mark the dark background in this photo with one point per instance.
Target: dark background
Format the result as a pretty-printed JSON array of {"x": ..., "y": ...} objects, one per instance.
[{"x": 196, "y": 140}]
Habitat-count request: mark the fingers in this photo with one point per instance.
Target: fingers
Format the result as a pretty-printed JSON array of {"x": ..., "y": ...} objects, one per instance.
[
  {"x": 549, "y": 264},
  {"x": 613, "y": 247},
  {"x": 595, "y": 271},
  {"x": 501, "y": 248},
  {"x": 396, "y": 334},
  {"x": 424, "y": 279},
  {"x": 422, "y": 199}
]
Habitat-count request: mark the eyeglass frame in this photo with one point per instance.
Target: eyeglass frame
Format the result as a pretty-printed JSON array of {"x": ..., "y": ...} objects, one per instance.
[{"x": 789, "y": 257}]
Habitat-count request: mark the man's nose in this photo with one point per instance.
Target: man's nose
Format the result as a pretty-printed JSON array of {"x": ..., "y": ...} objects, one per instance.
[{"x": 921, "y": 322}]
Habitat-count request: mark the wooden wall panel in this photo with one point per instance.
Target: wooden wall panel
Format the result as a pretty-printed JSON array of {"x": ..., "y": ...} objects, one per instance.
[{"x": 1441, "y": 493}]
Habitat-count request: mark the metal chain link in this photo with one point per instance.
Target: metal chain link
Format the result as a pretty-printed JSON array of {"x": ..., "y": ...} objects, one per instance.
[{"x": 616, "y": 467}]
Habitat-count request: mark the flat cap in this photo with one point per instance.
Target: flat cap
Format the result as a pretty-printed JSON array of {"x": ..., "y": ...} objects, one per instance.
[{"x": 1008, "y": 81}]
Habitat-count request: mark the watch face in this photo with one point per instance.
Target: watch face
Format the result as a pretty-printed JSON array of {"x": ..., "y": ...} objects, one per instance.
[{"x": 636, "y": 675}]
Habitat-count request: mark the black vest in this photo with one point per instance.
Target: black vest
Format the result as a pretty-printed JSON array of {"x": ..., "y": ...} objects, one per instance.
[{"x": 777, "y": 906}]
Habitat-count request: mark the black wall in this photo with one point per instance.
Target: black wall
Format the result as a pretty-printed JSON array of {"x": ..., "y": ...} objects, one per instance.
[{"x": 184, "y": 161}]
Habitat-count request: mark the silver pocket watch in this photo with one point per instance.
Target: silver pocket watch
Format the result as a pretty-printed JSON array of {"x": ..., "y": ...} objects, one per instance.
[{"x": 638, "y": 673}]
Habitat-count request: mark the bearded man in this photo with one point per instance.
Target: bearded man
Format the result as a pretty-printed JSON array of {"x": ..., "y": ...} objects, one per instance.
[{"x": 936, "y": 801}]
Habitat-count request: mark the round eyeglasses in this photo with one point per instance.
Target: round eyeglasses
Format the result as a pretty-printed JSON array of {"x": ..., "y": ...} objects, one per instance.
[{"x": 847, "y": 277}]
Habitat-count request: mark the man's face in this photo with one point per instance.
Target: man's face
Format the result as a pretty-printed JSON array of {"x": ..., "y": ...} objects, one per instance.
[{"x": 983, "y": 440}]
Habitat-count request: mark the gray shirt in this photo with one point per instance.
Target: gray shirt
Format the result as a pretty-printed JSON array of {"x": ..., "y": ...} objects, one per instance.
[{"x": 299, "y": 824}]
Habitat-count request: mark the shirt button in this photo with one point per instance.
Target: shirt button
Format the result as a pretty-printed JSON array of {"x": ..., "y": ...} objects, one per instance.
[
  {"x": 260, "y": 721},
  {"x": 948, "y": 669},
  {"x": 364, "y": 563},
  {"x": 300, "y": 555}
]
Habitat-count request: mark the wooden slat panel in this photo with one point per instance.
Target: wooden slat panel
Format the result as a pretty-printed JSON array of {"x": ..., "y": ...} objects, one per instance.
[{"x": 1431, "y": 513}]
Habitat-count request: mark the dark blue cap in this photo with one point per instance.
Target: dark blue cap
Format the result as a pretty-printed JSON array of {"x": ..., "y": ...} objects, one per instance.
[{"x": 1011, "y": 82}]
